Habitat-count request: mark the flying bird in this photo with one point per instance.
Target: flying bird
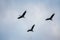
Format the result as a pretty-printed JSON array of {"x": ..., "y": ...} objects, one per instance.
[
  {"x": 31, "y": 28},
  {"x": 51, "y": 17},
  {"x": 22, "y": 16}
]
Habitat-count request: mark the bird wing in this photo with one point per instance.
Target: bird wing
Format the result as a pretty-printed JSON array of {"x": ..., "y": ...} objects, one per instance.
[
  {"x": 32, "y": 27},
  {"x": 52, "y": 15},
  {"x": 48, "y": 19},
  {"x": 24, "y": 13},
  {"x": 20, "y": 17}
]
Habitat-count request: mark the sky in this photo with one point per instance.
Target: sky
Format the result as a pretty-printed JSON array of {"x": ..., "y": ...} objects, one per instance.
[{"x": 12, "y": 28}]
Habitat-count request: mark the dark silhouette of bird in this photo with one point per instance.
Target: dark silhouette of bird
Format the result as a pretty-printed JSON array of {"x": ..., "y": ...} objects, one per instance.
[
  {"x": 51, "y": 17},
  {"x": 31, "y": 28},
  {"x": 22, "y": 16}
]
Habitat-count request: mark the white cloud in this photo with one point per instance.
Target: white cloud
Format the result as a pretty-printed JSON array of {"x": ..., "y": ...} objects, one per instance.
[{"x": 36, "y": 14}]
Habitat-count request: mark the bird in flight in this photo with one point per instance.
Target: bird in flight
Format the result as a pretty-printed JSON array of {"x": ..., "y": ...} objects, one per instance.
[
  {"x": 22, "y": 16},
  {"x": 31, "y": 28},
  {"x": 51, "y": 17}
]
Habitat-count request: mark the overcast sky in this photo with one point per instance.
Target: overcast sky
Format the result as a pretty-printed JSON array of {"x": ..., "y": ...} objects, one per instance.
[{"x": 12, "y": 28}]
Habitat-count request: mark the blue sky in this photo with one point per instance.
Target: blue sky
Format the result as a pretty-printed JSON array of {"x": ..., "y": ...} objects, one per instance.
[{"x": 37, "y": 11}]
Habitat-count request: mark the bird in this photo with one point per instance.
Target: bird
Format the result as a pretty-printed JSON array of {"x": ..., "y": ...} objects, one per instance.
[
  {"x": 23, "y": 15},
  {"x": 50, "y": 17},
  {"x": 31, "y": 29}
]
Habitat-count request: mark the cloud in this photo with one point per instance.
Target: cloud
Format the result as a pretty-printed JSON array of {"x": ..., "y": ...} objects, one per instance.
[{"x": 36, "y": 14}]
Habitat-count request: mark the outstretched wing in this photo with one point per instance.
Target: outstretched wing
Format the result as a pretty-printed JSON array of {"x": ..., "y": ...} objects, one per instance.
[
  {"x": 19, "y": 17},
  {"x": 24, "y": 13},
  {"x": 52, "y": 15},
  {"x": 48, "y": 19},
  {"x": 32, "y": 27}
]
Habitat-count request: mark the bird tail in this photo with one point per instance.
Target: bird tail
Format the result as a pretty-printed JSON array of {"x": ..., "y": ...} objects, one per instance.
[
  {"x": 51, "y": 19},
  {"x": 32, "y": 31},
  {"x": 23, "y": 17}
]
